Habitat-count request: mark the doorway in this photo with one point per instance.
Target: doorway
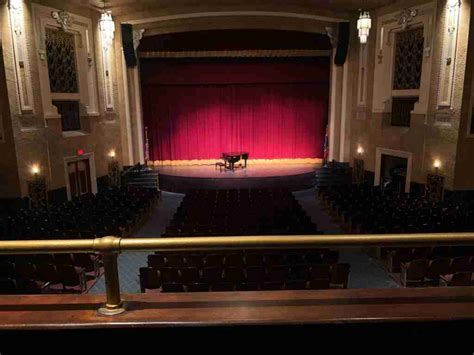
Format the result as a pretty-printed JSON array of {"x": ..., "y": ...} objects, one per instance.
[
  {"x": 400, "y": 168},
  {"x": 393, "y": 173},
  {"x": 79, "y": 174}
]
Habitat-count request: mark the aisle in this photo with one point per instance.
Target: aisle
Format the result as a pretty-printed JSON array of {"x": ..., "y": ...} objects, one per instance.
[
  {"x": 365, "y": 271},
  {"x": 130, "y": 263}
]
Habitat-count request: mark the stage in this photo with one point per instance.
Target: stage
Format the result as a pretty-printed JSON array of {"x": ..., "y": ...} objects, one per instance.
[{"x": 184, "y": 178}]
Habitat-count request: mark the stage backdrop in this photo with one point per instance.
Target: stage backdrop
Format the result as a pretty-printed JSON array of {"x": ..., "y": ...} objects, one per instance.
[{"x": 275, "y": 110}]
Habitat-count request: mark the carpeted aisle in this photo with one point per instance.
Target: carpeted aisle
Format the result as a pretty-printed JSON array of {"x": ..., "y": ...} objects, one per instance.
[
  {"x": 129, "y": 263},
  {"x": 365, "y": 272}
]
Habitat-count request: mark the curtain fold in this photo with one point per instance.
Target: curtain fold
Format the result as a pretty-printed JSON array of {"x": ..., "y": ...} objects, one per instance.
[{"x": 275, "y": 120}]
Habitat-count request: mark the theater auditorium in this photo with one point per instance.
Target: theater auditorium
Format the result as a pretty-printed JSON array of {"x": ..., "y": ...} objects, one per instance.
[{"x": 298, "y": 165}]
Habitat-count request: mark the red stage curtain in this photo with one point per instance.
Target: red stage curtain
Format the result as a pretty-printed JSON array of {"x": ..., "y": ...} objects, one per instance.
[{"x": 269, "y": 120}]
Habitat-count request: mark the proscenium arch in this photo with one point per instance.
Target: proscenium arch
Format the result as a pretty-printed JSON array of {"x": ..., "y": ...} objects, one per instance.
[
  {"x": 224, "y": 20},
  {"x": 220, "y": 20}
]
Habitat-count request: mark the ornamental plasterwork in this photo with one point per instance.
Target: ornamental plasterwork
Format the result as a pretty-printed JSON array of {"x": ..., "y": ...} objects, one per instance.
[
  {"x": 406, "y": 16},
  {"x": 62, "y": 18}
]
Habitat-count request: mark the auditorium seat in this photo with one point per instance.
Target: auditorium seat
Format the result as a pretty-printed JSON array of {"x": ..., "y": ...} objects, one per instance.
[
  {"x": 247, "y": 286},
  {"x": 413, "y": 272},
  {"x": 223, "y": 286},
  {"x": 149, "y": 279},
  {"x": 156, "y": 261},
  {"x": 295, "y": 285},
  {"x": 72, "y": 278},
  {"x": 172, "y": 287},
  {"x": 7, "y": 286},
  {"x": 272, "y": 285},
  {"x": 254, "y": 259},
  {"x": 458, "y": 279},
  {"x": 194, "y": 260},
  {"x": 234, "y": 274},
  {"x": 169, "y": 275},
  {"x": 436, "y": 268},
  {"x": 189, "y": 275},
  {"x": 198, "y": 287},
  {"x": 212, "y": 274},
  {"x": 255, "y": 274},
  {"x": 214, "y": 260},
  {"x": 234, "y": 260},
  {"x": 339, "y": 275},
  {"x": 319, "y": 284}
]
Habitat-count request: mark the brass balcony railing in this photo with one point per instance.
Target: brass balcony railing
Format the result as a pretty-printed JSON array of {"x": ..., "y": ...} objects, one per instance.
[{"x": 110, "y": 247}]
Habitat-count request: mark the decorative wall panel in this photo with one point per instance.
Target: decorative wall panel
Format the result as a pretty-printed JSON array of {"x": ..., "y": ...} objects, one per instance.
[
  {"x": 62, "y": 68},
  {"x": 448, "y": 59},
  {"x": 21, "y": 58},
  {"x": 408, "y": 59},
  {"x": 67, "y": 65}
]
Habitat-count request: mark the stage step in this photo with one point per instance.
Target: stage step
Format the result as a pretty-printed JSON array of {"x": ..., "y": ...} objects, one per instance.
[
  {"x": 334, "y": 174},
  {"x": 143, "y": 177}
]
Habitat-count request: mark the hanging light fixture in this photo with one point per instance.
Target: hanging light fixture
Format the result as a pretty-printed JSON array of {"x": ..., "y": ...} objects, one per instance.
[
  {"x": 107, "y": 28},
  {"x": 364, "y": 23}
]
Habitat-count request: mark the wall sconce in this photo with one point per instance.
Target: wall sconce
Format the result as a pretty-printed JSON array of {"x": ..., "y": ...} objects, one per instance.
[
  {"x": 112, "y": 153},
  {"x": 437, "y": 165},
  {"x": 35, "y": 170},
  {"x": 364, "y": 24},
  {"x": 360, "y": 150}
]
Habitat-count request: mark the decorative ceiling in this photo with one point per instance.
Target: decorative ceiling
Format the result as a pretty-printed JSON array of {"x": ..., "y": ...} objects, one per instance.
[{"x": 127, "y": 7}]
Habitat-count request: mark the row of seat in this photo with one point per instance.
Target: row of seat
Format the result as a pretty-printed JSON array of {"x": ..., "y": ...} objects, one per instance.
[
  {"x": 115, "y": 211},
  {"x": 240, "y": 212},
  {"x": 369, "y": 209},
  {"x": 61, "y": 273},
  {"x": 438, "y": 272},
  {"x": 243, "y": 258},
  {"x": 393, "y": 258},
  {"x": 236, "y": 278}
]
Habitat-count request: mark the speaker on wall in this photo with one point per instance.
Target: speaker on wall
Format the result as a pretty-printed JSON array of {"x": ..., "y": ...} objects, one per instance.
[
  {"x": 127, "y": 44},
  {"x": 342, "y": 43}
]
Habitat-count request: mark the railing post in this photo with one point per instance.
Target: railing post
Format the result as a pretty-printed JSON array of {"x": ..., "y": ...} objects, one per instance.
[
  {"x": 114, "y": 304},
  {"x": 109, "y": 248}
]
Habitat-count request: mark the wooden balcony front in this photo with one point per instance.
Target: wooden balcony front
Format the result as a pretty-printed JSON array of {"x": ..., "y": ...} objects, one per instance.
[{"x": 358, "y": 306}]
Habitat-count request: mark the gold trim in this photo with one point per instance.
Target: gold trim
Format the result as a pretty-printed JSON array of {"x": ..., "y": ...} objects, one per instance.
[
  {"x": 116, "y": 245},
  {"x": 250, "y": 162},
  {"x": 109, "y": 247},
  {"x": 258, "y": 53}
]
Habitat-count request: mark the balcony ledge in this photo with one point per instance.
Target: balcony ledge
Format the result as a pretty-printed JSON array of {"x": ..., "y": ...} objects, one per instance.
[{"x": 240, "y": 308}]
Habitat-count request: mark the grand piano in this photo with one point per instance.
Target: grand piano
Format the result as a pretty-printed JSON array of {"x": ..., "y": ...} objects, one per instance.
[{"x": 234, "y": 157}]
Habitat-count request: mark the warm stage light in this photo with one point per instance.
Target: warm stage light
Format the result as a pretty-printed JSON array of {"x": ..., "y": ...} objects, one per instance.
[{"x": 35, "y": 169}]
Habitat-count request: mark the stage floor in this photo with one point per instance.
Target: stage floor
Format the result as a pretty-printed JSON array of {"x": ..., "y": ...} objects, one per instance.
[
  {"x": 252, "y": 171},
  {"x": 184, "y": 178}
]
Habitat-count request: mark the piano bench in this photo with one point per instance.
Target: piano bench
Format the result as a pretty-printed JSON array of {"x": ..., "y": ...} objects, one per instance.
[{"x": 221, "y": 165}]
